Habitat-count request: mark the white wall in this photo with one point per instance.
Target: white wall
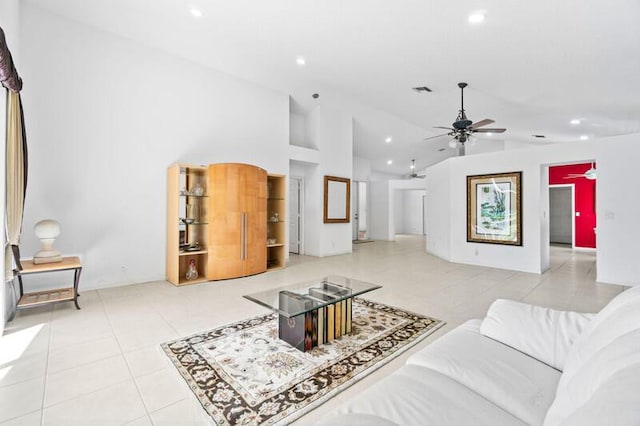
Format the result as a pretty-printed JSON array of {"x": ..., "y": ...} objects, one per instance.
[
  {"x": 361, "y": 169},
  {"x": 412, "y": 217},
  {"x": 529, "y": 257},
  {"x": 106, "y": 116},
  {"x": 438, "y": 183},
  {"x": 618, "y": 203},
  {"x": 386, "y": 203},
  {"x": 335, "y": 143},
  {"x": 398, "y": 212},
  {"x": 10, "y": 23},
  {"x": 379, "y": 207}
]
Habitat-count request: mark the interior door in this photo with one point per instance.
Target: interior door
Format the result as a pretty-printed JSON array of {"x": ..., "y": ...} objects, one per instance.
[
  {"x": 355, "y": 213},
  {"x": 561, "y": 215},
  {"x": 294, "y": 215},
  {"x": 226, "y": 208},
  {"x": 363, "y": 212}
]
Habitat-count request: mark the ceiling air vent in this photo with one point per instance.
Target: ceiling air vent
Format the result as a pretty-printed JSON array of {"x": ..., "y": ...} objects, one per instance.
[
  {"x": 539, "y": 136},
  {"x": 422, "y": 89}
]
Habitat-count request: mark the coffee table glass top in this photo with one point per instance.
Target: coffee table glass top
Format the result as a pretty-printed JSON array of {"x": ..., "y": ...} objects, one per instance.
[{"x": 303, "y": 297}]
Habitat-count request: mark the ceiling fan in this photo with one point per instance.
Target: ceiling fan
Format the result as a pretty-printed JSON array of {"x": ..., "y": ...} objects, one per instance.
[
  {"x": 463, "y": 128},
  {"x": 413, "y": 174},
  {"x": 589, "y": 174}
]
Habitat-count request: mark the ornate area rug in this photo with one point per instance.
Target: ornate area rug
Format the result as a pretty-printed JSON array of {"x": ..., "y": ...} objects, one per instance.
[{"x": 243, "y": 374}]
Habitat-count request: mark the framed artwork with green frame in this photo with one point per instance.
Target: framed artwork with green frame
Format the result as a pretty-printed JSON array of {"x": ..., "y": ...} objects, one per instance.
[{"x": 494, "y": 208}]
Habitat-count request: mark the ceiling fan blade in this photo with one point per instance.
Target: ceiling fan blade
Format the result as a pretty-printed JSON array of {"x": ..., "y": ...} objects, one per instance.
[
  {"x": 488, "y": 130},
  {"x": 440, "y": 127},
  {"x": 481, "y": 123},
  {"x": 433, "y": 137}
]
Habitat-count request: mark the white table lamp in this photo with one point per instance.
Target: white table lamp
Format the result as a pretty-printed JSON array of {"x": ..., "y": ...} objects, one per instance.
[{"x": 47, "y": 231}]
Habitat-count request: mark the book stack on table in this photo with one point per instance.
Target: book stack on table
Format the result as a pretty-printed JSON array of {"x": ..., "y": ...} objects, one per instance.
[{"x": 319, "y": 325}]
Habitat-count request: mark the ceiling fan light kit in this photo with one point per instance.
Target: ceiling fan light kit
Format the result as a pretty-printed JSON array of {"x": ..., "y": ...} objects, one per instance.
[{"x": 462, "y": 129}]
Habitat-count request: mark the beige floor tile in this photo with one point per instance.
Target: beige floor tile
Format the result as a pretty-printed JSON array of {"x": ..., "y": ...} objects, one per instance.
[
  {"x": 114, "y": 405},
  {"x": 137, "y": 337},
  {"x": 83, "y": 353},
  {"x": 147, "y": 360},
  {"x": 21, "y": 399},
  {"x": 161, "y": 389},
  {"x": 186, "y": 412},
  {"x": 142, "y": 421},
  {"x": 31, "y": 419},
  {"x": 73, "y": 382},
  {"x": 23, "y": 368}
]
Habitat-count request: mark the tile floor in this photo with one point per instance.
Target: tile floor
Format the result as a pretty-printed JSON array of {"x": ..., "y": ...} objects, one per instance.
[{"x": 103, "y": 365}]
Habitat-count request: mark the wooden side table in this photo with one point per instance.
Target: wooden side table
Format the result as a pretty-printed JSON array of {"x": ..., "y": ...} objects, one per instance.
[{"x": 28, "y": 300}]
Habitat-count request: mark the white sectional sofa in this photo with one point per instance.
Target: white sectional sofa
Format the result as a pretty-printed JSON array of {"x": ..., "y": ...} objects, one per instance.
[{"x": 520, "y": 365}]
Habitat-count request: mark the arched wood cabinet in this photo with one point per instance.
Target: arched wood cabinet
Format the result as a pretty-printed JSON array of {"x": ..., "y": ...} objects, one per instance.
[
  {"x": 237, "y": 220},
  {"x": 223, "y": 221}
]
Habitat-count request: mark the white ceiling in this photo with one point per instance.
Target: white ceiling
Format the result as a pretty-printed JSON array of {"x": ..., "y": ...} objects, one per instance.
[{"x": 531, "y": 66}]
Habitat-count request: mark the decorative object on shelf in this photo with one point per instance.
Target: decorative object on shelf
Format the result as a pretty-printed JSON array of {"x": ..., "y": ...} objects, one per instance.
[
  {"x": 47, "y": 231},
  {"x": 193, "y": 212},
  {"x": 187, "y": 220},
  {"x": 192, "y": 247},
  {"x": 494, "y": 208},
  {"x": 183, "y": 191},
  {"x": 192, "y": 270},
  {"x": 271, "y": 241},
  {"x": 275, "y": 217},
  {"x": 197, "y": 190}
]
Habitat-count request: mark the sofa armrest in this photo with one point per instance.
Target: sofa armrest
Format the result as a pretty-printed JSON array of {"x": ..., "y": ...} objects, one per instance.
[{"x": 542, "y": 333}]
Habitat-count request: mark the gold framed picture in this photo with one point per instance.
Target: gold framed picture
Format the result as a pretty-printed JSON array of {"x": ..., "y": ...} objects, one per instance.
[
  {"x": 337, "y": 199},
  {"x": 494, "y": 208}
]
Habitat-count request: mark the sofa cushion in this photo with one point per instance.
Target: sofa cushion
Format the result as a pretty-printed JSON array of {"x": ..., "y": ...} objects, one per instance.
[
  {"x": 517, "y": 383},
  {"x": 618, "y": 317},
  {"x": 543, "y": 333},
  {"x": 420, "y": 396},
  {"x": 614, "y": 366},
  {"x": 615, "y": 402}
]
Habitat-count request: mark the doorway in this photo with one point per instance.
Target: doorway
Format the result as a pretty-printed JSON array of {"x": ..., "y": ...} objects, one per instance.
[
  {"x": 296, "y": 207},
  {"x": 360, "y": 212},
  {"x": 561, "y": 215}
]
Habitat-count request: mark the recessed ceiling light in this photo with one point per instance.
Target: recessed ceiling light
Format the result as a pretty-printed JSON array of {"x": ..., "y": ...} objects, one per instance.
[
  {"x": 476, "y": 18},
  {"x": 584, "y": 137},
  {"x": 197, "y": 13},
  {"x": 389, "y": 162},
  {"x": 575, "y": 121},
  {"x": 488, "y": 133},
  {"x": 301, "y": 61},
  {"x": 388, "y": 140}
]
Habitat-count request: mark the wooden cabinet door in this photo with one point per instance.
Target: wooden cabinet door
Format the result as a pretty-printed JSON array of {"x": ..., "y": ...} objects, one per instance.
[
  {"x": 237, "y": 221},
  {"x": 255, "y": 206},
  {"x": 226, "y": 209}
]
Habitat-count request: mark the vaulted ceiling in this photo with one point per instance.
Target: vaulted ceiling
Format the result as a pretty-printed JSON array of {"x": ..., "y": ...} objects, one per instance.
[{"x": 531, "y": 66}]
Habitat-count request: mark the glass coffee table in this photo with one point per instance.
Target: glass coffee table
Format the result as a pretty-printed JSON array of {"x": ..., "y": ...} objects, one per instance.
[{"x": 314, "y": 312}]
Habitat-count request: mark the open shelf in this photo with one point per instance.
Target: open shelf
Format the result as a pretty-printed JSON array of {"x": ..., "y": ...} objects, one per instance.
[
  {"x": 42, "y": 297},
  {"x": 276, "y": 207}
]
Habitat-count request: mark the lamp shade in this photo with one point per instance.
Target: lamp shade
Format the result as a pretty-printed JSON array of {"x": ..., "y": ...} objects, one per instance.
[{"x": 47, "y": 228}]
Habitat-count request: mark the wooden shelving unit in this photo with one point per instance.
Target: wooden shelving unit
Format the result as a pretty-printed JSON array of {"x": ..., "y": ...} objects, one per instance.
[
  {"x": 224, "y": 226},
  {"x": 187, "y": 222},
  {"x": 276, "y": 221}
]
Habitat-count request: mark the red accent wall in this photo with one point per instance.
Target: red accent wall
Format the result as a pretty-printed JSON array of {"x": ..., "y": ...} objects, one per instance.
[{"x": 585, "y": 202}]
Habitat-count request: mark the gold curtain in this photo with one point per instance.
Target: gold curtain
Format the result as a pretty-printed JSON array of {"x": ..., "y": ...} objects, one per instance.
[{"x": 16, "y": 176}]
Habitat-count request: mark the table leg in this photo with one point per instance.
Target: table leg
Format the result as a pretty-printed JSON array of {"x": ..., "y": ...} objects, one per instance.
[{"x": 76, "y": 281}]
